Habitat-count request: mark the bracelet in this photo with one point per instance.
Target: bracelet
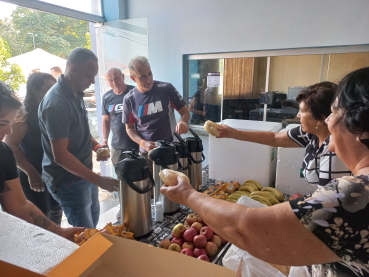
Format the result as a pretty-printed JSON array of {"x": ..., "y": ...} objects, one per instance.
[
  {"x": 56, "y": 227},
  {"x": 142, "y": 141},
  {"x": 105, "y": 139},
  {"x": 97, "y": 146}
]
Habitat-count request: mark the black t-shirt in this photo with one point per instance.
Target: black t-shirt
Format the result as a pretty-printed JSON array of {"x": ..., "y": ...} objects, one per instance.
[
  {"x": 338, "y": 214},
  {"x": 8, "y": 165},
  {"x": 31, "y": 144},
  {"x": 320, "y": 165},
  {"x": 113, "y": 106}
]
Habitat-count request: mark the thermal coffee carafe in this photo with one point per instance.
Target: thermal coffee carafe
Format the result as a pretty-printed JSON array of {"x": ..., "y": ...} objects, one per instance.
[
  {"x": 164, "y": 156},
  {"x": 197, "y": 157},
  {"x": 136, "y": 182},
  {"x": 184, "y": 154}
]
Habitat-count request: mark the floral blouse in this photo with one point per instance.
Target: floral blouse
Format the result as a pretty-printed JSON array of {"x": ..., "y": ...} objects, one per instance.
[{"x": 338, "y": 214}]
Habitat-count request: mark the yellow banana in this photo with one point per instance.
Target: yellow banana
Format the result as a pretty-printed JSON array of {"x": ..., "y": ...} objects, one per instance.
[
  {"x": 234, "y": 196},
  {"x": 260, "y": 187},
  {"x": 231, "y": 200},
  {"x": 242, "y": 192},
  {"x": 247, "y": 188},
  {"x": 261, "y": 199},
  {"x": 268, "y": 195},
  {"x": 279, "y": 195},
  {"x": 250, "y": 185}
]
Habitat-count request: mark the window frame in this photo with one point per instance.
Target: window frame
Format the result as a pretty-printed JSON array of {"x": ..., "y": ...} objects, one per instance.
[{"x": 265, "y": 53}]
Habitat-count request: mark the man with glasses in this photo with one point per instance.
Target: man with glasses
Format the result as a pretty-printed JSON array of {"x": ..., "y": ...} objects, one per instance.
[{"x": 151, "y": 106}]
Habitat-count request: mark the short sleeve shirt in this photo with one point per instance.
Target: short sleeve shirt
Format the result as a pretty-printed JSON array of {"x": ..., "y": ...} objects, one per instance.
[
  {"x": 338, "y": 214},
  {"x": 153, "y": 111},
  {"x": 62, "y": 115},
  {"x": 8, "y": 165},
  {"x": 113, "y": 106},
  {"x": 319, "y": 165}
]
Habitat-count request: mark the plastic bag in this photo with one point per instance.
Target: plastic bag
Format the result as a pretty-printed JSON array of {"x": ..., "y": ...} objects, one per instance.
[
  {"x": 299, "y": 271},
  {"x": 251, "y": 266}
]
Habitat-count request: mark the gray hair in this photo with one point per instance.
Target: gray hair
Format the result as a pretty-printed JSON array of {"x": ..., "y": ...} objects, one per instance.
[
  {"x": 137, "y": 62},
  {"x": 78, "y": 56}
]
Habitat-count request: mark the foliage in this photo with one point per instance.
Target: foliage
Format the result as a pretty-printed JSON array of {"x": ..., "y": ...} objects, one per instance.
[
  {"x": 56, "y": 34},
  {"x": 9, "y": 73}
]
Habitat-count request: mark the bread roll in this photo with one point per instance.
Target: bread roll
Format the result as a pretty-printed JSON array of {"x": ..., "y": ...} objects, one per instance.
[
  {"x": 169, "y": 177},
  {"x": 102, "y": 152},
  {"x": 211, "y": 128}
]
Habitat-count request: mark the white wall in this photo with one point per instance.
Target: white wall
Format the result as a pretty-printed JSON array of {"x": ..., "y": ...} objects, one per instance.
[{"x": 212, "y": 26}]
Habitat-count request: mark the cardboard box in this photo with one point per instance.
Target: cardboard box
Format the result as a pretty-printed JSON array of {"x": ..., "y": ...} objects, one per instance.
[
  {"x": 30, "y": 247},
  {"x": 105, "y": 255}
]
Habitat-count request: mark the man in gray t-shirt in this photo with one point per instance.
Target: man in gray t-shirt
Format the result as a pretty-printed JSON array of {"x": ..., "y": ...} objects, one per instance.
[
  {"x": 112, "y": 109},
  {"x": 151, "y": 106},
  {"x": 68, "y": 144}
]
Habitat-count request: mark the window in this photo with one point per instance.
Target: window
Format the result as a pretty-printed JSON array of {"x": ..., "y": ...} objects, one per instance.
[{"x": 238, "y": 80}]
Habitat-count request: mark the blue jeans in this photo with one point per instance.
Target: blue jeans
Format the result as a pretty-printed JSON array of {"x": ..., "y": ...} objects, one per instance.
[{"x": 80, "y": 202}]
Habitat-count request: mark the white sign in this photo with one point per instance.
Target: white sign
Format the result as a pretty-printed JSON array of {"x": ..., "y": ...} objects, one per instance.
[{"x": 213, "y": 80}]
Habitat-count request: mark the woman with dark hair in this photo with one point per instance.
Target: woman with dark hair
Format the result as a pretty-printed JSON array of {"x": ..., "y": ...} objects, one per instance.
[
  {"x": 328, "y": 230},
  {"x": 25, "y": 142},
  {"x": 320, "y": 165},
  {"x": 12, "y": 198}
]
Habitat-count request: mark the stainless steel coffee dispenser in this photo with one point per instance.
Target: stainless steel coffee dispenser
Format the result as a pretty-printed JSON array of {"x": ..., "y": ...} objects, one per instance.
[
  {"x": 164, "y": 156},
  {"x": 136, "y": 182},
  {"x": 197, "y": 157}
]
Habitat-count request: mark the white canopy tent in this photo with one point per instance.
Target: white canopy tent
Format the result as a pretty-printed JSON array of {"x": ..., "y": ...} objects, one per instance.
[{"x": 37, "y": 58}]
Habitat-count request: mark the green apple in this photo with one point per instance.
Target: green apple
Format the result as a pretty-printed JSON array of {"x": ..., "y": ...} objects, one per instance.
[
  {"x": 178, "y": 230},
  {"x": 175, "y": 247}
]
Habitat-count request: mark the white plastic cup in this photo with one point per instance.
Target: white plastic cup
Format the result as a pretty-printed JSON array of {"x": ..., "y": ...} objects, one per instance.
[
  {"x": 204, "y": 178},
  {"x": 159, "y": 213}
]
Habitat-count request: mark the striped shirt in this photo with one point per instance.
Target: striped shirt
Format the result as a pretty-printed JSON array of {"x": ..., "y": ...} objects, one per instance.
[{"x": 319, "y": 165}]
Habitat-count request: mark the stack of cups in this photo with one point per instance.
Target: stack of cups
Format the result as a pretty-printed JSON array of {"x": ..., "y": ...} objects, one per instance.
[{"x": 159, "y": 213}]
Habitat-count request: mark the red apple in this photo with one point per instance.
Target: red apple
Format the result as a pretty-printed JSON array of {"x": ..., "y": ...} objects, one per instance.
[
  {"x": 199, "y": 241},
  {"x": 173, "y": 236},
  {"x": 189, "y": 234},
  {"x": 197, "y": 226},
  {"x": 175, "y": 247},
  {"x": 217, "y": 240},
  {"x": 164, "y": 243},
  {"x": 207, "y": 232},
  {"x": 191, "y": 218},
  {"x": 178, "y": 230},
  {"x": 178, "y": 241},
  {"x": 188, "y": 244},
  {"x": 211, "y": 248},
  {"x": 197, "y": 252},
  {"x": 187, "y": 227},
  {"x": 186, "y": 223},
  {"x": 204, "y": 258},
  {"x": 187, "y": 251},
  {"x": 295, "y": 196},
  {"x": 223, "y": 241}
]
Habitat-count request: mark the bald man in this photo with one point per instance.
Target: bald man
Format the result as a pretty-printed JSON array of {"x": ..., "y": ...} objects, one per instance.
[{"x": 112, "y": 116}]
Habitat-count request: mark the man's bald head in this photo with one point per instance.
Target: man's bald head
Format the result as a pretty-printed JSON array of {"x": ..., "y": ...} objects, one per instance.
[
  {"x": 115, "y": 79},
  {"x": 112, "y": 71}
]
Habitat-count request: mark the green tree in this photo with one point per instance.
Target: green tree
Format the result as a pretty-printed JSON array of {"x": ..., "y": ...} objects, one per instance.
[
  {"x": 56, "y": 34},
  {"x": 9, "y": 73}
]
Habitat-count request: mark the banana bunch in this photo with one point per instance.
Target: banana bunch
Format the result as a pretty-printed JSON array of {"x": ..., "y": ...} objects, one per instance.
[{"x": 267, "y": 196}]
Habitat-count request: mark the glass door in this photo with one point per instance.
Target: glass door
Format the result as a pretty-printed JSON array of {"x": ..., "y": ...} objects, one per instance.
[{"x": 117, "y": 43}]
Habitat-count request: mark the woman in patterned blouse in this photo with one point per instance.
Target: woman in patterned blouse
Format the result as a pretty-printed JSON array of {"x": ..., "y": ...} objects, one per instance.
[{"x": 328, "y": 230}]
